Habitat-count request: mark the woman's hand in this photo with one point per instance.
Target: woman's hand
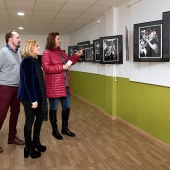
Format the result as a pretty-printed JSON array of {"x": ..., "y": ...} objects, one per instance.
[
  {"x": 80, "y": 52},
  {"x": 66, "y": 67},
  {"x": 34, "y": 105}
]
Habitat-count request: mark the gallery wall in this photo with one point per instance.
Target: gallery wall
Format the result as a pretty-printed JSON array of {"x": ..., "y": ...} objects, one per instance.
[{"x": 113, "y": 23}]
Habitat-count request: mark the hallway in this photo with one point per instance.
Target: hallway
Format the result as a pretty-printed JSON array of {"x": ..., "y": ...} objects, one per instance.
[{"x": 100, "y": 144}]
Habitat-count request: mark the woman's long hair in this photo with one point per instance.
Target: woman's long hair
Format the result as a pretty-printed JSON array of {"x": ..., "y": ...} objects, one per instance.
[{"x": 50, "y": 42}]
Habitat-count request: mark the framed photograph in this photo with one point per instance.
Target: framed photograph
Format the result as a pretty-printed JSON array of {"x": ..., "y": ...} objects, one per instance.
[
  {"x": 148, "y": 42},
  {"x": 96, "y": 48},
  {"x": 127, "y": 43},
  {"x": 72, "y": 50},
  {"x": 111, "y": 50},
  {"x": 81, "y": 45},
  {"x": 166, "y": 34},
  {"x": 89, "y": 53}
]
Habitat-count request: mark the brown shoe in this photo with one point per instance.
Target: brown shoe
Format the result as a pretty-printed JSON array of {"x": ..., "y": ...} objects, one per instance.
[
  {"x": 1, "y": 150},
  {"x": 16, "y": 141}
]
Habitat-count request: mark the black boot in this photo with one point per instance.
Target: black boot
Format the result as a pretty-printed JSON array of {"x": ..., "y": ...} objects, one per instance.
[
  {"x": 53, "y": 120},
  {"x": 29, "y": 150},
  {"x": 37, "y": 145},
  {"x": 65, "y": 117}
]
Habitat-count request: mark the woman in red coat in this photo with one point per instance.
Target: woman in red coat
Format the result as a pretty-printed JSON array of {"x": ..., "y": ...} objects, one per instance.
[{"x": 56, "y": 63}]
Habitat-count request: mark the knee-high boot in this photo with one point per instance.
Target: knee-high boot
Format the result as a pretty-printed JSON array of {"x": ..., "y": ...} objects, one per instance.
[
  {"x": 36, "y": 136},
  {"x": 65, "y": 118},
  {"x": 29, "y": 149},
  {"x": 53, "y": 120}
]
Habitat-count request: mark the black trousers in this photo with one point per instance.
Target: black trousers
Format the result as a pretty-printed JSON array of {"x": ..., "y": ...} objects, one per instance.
[{"x": 32, "y": 117}]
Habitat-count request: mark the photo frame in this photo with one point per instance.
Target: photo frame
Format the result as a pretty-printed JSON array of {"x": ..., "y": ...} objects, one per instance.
[
  {"x": 89, "y": 53},
  {"x": 111, "y": 49},
  {"x": 127, "y": 43},
  {"x": 96, "y": 49},
  {"x": 72, "y": 50},
  {"x": 166, "y": 34},
  {"x": 148, "y": 42},
  {"x": 81, "y": 45}
]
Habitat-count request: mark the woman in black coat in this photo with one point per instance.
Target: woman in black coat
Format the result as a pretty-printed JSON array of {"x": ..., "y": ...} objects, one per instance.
[{"x": 33, "y": 97}]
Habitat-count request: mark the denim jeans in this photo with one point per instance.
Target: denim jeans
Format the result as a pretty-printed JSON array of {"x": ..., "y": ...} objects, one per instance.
[{"x": 65, "y": 101}]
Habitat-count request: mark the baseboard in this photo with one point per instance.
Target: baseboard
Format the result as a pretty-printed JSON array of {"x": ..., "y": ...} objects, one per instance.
[
  {"x": 149, "y": 137},
  {"x": 152, "y": 139}
]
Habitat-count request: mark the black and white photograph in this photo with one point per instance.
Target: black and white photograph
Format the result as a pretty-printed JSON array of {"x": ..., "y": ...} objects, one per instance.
[
  {"x": 81, "y": 46},
  {"x": 72, "y": 50},
  {"x": 96, "y": 46},
  {"x": 148, "y": 41},
  {"x": 111, "y": 50},
  {"x": 89, "y": 53}
]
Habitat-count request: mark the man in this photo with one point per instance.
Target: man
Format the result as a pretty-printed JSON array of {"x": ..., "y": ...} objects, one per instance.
[{"x": 9, "y": 81}]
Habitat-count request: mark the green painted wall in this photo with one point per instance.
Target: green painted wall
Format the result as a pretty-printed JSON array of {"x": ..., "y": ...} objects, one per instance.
[{"x": 142, "y": 105}]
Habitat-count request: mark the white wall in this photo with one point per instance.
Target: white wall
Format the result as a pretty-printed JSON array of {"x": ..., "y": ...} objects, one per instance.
[
  {"x": 113, "y": 23},
  {"x": 41, "y": 39}
]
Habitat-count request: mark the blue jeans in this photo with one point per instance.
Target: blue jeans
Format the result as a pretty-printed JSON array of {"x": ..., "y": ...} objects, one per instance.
[{"x": 65, "y": 101}]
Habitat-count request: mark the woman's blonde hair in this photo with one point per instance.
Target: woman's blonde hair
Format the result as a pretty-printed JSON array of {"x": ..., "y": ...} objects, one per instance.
[{"x": 27, "y": 49}]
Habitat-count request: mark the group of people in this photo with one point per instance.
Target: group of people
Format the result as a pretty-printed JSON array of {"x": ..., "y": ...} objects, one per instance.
[{"x": 23, "y": 79}]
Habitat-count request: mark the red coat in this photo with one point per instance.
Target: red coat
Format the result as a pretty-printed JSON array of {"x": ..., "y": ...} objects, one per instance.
[{"x": 54, "y": 75}]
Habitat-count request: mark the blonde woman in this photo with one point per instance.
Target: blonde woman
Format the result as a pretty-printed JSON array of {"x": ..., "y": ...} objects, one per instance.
[{"x": 33, "y": 97}]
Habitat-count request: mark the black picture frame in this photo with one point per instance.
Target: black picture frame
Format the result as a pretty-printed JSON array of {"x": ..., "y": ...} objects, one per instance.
[
  {"x": 89, "y": 53},
  {"x": 148, "y": 42},
  {"x": 72, "y": 50},
  {"x": 111, "y": 49},
  {"x": 166, "y": 34},
  {"x": 96, "y": 49},
  {"x": 127, "y": 43},
  {"x": 81, "y": 46}
]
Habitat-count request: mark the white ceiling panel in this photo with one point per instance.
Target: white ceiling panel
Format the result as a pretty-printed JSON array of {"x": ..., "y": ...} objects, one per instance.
[
  {"x": 63, "y": 15},
  {"x": 3, "y": 12},
  {"x": 110, "y": 2},
  {"x": 42, "y": 16},
  {"x": 45, "y": 6},
  {"x": 2, "y": 4},
  {"x": 97, "y": 9},
  {"x": 20, "y": 5},
  {"x": 81, "y": 2},
  {"x": 74, "y": 8},
  {"x": 53, "y": 1}
]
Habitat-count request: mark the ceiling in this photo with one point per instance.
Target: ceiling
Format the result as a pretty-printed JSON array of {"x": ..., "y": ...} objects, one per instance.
[{"x": 43, "y": 16}]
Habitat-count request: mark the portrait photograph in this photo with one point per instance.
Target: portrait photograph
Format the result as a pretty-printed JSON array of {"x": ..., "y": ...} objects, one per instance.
[
  {"x": 72, "y": 50},
  {"x": 89, "y": 53},
  {"x": 111, "y": 50},
  {"x": 148, "y": 41},
  {"x": 81, "y": 45}
]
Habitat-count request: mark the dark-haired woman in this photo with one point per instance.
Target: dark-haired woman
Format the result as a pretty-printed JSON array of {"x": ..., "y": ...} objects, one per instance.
[{"x": 56, "y": 63}]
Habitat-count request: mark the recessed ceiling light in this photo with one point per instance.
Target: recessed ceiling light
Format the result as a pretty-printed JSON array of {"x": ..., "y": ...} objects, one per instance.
[
  {"x": 20, "y": 13},
  {"x": 20, "y": 28}
]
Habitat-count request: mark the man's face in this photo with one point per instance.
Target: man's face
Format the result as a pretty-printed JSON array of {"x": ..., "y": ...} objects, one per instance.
[{"x": 15, "y": 39}]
